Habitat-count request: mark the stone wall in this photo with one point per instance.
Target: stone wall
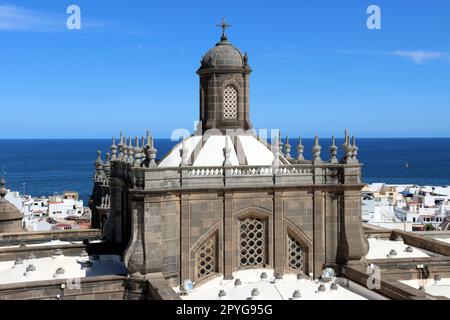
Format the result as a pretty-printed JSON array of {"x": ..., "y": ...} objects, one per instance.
[
  {"x": 169, "y": 228},
  {"x": 93, "y": 288}
]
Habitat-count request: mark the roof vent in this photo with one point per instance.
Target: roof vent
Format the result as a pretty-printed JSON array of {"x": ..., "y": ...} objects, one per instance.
[
  {"x": 254, "y": 294},
  {"x": 59, "y": 273},
  {"x": 57, "y": 254},
  {"x": 30, "y": 269},
  {"x": 334, "y": 286},
  {"x": 18, "y": 261},
  {"x": 392, "y": 253},
  {"x": 408, "y": 249},
  {"x": 296, "y": 295},
  {"x": 277, "y": 278},
  {"x": 437, "y": 279},
  {"x": 222, "y": 294},
  {"x": 321, "y": 288},
  {"x": 263, "y": 276},
  {"x": 237, "y": 282}
]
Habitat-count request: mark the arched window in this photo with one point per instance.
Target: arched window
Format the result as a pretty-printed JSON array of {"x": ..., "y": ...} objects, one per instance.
[
  {"x": 230, "y": 99},
  {"x": 252, "y": 242},
  {"x": 296, "y": 254},
  {"x": 205, "y": 258}
]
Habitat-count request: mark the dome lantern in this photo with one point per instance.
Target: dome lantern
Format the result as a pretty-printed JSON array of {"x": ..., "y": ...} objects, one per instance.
[{"x": 224, "y": 87}]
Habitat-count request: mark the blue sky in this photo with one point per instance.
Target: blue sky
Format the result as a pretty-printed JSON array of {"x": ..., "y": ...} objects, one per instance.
[{"x": 317, "y": 68}]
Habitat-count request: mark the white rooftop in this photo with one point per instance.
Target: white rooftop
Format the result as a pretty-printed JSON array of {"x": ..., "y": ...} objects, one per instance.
[
  {"x": 380, "y": 249},
  {"x": 440, "y": 288},
  {"x": 446, "y": 240},
  {"x": 208, "y": 151},
  {"x": 45, "y": 268},
  {"x": 48, "y": 243},
  {"x": 280, "y": 290}
]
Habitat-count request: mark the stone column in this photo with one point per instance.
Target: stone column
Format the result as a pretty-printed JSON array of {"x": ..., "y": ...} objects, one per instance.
[
  {"x": 112, "y": 229},
  {"x": 353, "y": 246},
  {"x": 228, "y": 248},
  {"x": 152, "y": 236},
  {"x": 279, "y": 237},
  {"x": 185, "y": 237},
  {"x": 318, "y": 233},
  {"x": 134, "y": 255}
]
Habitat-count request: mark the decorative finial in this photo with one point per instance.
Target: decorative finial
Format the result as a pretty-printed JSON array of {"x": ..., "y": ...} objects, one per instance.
[
  {"x": 245, "y": 58},
  {"x": 287, "y": 149},
  {"x": 121, "y": 138},
  {"x": 224, "y": 26},
  {"x": 280, "y": 143},
  {"x": 300, "y": 149},
  {"x": 113, "y": 150},
  {"x": 99, "y": 157},
  {"x": 150, "y": 152},
  {"x": 354, "y": 149},
  {"x": 316, "y": 149},
  {"x": 333, "y": 151},
  {"x": 3, "y": 190},
  {"x": 346, "y": 146},
  {"x": 136, "y": 142}
]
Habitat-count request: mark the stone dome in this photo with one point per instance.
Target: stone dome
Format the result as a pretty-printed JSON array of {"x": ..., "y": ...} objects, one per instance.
[
  {"x": 224, "y": 55},
  {"x": 10, "y": 216}
]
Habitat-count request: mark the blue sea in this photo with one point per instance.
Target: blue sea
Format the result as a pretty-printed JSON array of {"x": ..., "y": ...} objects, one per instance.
[{"x": 46, "y": 167}]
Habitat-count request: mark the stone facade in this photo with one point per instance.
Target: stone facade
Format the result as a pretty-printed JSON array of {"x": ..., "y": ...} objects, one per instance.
[
  {"x": 171, "y": 222},
  {"x": 189, "y": 222}
]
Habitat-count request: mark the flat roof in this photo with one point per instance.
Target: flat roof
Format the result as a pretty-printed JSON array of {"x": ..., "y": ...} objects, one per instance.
[
  {"x": 440, "y": 288},
  {"x": 45, "y": 268},
  {"x": 268, "y": 289},
  {"x": 380, "y": 249}
]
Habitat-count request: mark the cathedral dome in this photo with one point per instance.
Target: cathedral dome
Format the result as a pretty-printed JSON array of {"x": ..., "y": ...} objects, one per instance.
[
  {"x": 10, "y": 216},
  {"x": 223, "y": 55}
]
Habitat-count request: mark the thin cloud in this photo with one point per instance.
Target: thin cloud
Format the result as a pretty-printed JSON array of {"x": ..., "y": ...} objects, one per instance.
[
  {"x": 14, "y": 18},
  {"x": 420, "y": 57},
  {"x": 417, "y": 56}
]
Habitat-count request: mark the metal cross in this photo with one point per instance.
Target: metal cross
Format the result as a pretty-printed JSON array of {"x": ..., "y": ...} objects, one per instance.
[{"x": 223, "y": 25}]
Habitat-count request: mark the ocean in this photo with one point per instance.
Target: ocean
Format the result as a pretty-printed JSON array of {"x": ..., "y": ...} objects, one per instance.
[{"x": 47, "y": 167}]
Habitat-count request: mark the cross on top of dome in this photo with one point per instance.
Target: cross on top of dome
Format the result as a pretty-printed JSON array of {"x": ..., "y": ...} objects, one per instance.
[{"x": 224, "y": 26}]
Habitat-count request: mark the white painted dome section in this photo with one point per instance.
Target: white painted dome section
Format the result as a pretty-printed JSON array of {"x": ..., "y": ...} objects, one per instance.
[
  {"x": 173, "y": 158},
  {"x": 211, "y": 153},
  {"x": 208, "y": 152},
  {"x": 256, "y": 153}
]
